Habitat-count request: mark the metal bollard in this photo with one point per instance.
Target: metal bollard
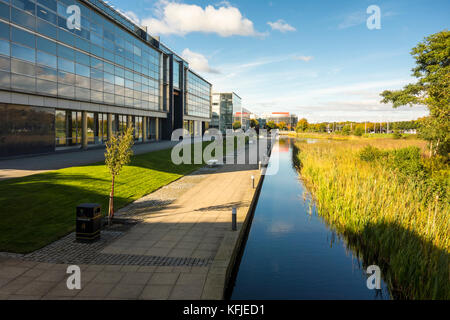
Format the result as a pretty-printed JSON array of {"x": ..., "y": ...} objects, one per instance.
[
  {"x": 260, "y": 163},
  {"x": 253, "y": 182},
  {"x": 234, "y": 219}
]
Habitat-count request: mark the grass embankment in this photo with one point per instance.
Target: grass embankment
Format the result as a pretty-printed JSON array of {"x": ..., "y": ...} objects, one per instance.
[
  {"x": 392, "y": 206},
  {"x": 39, "y": 209}
]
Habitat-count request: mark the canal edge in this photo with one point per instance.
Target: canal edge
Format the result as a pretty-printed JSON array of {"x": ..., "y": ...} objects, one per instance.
[{"x": 220, "y": 277}]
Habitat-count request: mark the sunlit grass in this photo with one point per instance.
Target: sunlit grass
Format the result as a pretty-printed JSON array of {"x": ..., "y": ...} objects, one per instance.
[
  {"x": 39, "y": 209},
  {"x": 390, "y": 218}
]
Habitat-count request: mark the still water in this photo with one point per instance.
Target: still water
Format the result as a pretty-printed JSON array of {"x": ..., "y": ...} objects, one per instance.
[{"x": 290, "y": 252}]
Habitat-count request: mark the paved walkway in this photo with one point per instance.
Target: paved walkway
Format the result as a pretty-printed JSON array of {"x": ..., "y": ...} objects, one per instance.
[
  {"x": 181, "y": 249},
  {"x": 22, "y": 167}
]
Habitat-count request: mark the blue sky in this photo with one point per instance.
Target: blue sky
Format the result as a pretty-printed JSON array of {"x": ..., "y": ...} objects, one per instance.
[{"x": 317, "y": 59}]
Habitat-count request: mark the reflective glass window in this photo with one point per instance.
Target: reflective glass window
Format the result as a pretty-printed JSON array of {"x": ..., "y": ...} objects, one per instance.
[
  {"x": 96, "y": 74},
  {"x": 51, "y": 4},
  {"x": 46, "y": 73},
  {"x": 96, "y": 50},
  {"x": 25, "y": 5},
  {"x": 66, "y": 90},
  {"x": 82, "y": 58},
  {"x": 108, "y": 67},
  {"x": 22, "y": 68},
  {"x": 82, "y": 70},
  {"x": 46, "y": 28},
  {"x": 23, "y": 19},
  {"x": 66, "y": 37},
  {"x": 5, "y": 79},
  {"x": 48, "y": 87},
  {"x": 46, "y": 45},
  {"x": 66, "y": 77},
  {"x": 96, "y": 39},
  {"x": 46, "y": 59},
  {"x": 24, "y": 53},
  {"x": 66, "y": 65},
  {"x": 96, "y": 63},
  {"x": 4, "y": 47},
  {"x": 47, "y": 15},
  {"x": 4, "y": 30},
  {"x": 66, "y": 53},
  {"x": 108, "y": 55},
  {"x": 4, "y": 11},
  {"x": 23, "y": 82},
  {"x": 5, "y": 64},
  {"x": 82, "y": 44},
  {"x": 23, "y": 37},
  {"x": 109, "y": 77}
]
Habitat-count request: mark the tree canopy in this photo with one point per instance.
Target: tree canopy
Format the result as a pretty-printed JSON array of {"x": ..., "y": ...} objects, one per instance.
[{"x": 431, "y": 89}]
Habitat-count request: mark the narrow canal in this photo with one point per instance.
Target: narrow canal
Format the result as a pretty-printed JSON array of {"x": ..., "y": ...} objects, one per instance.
[{"x": 290, "y": 252}]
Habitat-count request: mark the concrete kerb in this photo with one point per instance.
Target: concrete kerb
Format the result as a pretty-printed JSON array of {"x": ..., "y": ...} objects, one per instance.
[{"x": 221, "y": 272}]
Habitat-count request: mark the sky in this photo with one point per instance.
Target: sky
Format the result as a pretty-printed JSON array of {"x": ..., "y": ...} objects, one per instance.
[{"x": 317, "y": 59}]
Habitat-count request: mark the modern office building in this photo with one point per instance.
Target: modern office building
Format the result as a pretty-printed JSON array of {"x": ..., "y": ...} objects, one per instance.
[
  {"x": 289, "y": 119},
  {"x": 226, "y": 109},
  {"x": 64, "y": 85}
]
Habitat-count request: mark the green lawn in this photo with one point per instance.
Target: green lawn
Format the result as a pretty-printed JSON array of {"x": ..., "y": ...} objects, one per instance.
[{"x": 39, "y": 209}]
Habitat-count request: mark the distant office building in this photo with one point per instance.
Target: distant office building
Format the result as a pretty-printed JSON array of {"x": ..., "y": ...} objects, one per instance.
[
  {"x": 226, "y": 109},
  {"x": 289, "y": 119},
  {"x": 65, "y": 87}
]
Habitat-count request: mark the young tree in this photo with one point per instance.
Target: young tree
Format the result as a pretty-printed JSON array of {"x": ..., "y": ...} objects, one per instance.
[
  {"x": 432, "y": 89},
  {"x": 118, "y": 154},
  {"x": 237, "y": 125}
]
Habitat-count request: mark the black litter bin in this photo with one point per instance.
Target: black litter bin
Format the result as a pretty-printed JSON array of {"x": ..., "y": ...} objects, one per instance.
[{"x": 89, "y": 218}]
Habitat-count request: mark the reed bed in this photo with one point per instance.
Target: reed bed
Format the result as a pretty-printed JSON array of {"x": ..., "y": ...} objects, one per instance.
[{"x": 387, "y": 218}]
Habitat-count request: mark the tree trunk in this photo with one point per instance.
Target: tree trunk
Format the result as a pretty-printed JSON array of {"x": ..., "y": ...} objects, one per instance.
[{"x": 111, "y": 202}]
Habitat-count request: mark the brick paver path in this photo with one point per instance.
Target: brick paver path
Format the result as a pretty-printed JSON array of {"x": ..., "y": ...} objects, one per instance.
[{"x": 197, "y": 225}]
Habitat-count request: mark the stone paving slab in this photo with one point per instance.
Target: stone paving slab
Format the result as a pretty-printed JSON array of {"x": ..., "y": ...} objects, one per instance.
[{"x": 180, "y": 249}]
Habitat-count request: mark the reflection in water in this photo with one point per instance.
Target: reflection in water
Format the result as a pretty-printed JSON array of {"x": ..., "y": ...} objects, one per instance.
[{"x": 291, "y": 253}]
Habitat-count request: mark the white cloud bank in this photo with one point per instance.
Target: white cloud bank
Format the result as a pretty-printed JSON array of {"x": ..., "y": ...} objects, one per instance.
[
  {"x": 181, "y": 19},
  {"x": 281, "y": 26},
  {"x": 197, "y": 61}
]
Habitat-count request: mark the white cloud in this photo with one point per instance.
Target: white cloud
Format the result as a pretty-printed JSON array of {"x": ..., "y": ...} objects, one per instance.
[
  {"x": 181, "y": 19},
  {"x": 131, "y": 15},
  {"x": 197, "y": 61},
  {"x": 303, "y": 58},
  {"x": 281, "y": 25}
]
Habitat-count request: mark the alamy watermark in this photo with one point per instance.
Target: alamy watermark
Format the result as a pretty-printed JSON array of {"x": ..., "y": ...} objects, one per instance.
[
  {"x": 74, "y": 280},
  {"x": 374, "y": 281},
  {"x": 374, "y": 20},
  {"x": 221, "y": 150},
  {"x": 74, "y": 19}
]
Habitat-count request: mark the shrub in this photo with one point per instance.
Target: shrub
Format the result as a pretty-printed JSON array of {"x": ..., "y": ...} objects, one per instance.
[
  {"x": 407, "y": 161},
  {"x": 370, "y": 154},
  {"x": 359, "y": 132},
  {"x": 397, "y": 134}
]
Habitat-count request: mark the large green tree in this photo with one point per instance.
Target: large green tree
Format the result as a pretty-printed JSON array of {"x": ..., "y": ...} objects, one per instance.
[{"x": 431, "y": 89}]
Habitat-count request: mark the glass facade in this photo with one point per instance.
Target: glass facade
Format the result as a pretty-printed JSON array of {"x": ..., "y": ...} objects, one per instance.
[
  {"x": 26, "y": 130},
  {"x": 225, "y": 107},
  {"x": 198, "y": 102},
  {"x": 100, "y": 63},
  {"x": 108, "y": 61}
]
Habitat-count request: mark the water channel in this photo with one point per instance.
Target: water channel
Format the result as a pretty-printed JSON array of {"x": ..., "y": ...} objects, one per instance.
[{"x": 290, "y": 252}]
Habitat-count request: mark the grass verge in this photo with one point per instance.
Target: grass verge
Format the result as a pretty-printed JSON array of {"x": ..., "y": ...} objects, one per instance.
[{"x": 39, "y": 209}]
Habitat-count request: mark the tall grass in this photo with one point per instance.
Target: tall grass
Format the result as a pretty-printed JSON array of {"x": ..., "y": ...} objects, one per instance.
[{"x": 393, "y": 221}]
